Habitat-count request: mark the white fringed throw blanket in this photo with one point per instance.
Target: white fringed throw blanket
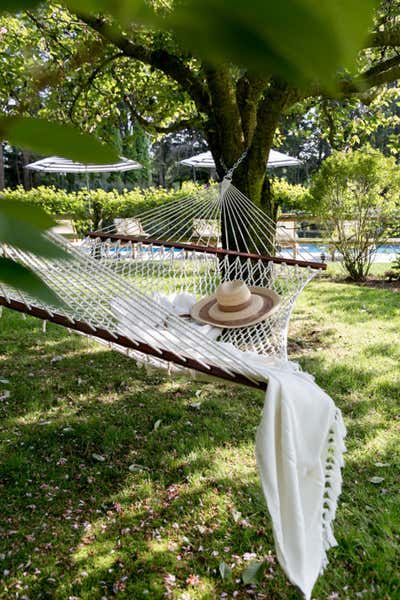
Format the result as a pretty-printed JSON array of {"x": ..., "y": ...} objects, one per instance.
[
  {"x": 300, "y": 445},
  {"x": 299, "y": 448}
]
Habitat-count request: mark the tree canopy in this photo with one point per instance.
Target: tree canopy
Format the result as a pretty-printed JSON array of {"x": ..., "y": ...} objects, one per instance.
[
  {"x": 153, "y": 67},
  {"x": 231, "y": 70}
]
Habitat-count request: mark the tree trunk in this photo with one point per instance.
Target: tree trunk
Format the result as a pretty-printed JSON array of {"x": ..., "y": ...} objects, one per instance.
[
  {"x": 26, "y": 175},
  {"x": 2, "y": 178},
  {"x": 251, "y": 178},
  {"x": 252, "y": 181}
]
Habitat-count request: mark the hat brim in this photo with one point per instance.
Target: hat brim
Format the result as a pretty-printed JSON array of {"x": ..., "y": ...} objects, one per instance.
[{"x": 270, "y": 302}]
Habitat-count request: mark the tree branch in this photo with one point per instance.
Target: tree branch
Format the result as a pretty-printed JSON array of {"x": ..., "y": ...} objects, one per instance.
[
  {"x": 170, "y": 64},
  {"x": 173, "y": 128},
  {"x": 382, "y": 66},
  {"x": 248, "y": 92},
  {"x": 91, "y": 79},
  {"x": 385, "y": 38},
  {"x": 47, "y": 32},
  {"x": 379, "y": 74},
  {"x": 269, "y": 111},
  {"x": 225, "y": 112},
  {"x": 383, "y": 72},
  {"x": 194, "y": 121}
]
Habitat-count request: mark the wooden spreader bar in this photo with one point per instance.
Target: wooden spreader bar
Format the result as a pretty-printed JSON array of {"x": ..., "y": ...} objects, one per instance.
[
  {"x": 115, "y": 237},
  {"x": 189, "y": 363}
]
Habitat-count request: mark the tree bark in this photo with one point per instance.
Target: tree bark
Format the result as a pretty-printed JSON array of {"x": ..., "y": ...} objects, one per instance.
[
  {"x": 2, "y": 178},
  {"x": 26, "y": 175},
  {"x": 251, "y": 177}
]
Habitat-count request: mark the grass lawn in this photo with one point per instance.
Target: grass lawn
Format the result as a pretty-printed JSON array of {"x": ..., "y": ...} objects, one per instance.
[{"x": 118, "y": 483}]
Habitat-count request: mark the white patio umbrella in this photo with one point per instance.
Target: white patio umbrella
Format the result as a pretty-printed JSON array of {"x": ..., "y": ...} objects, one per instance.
[
  {"x": 57, "y": 164},
  {"x": 275, "y": 159}
]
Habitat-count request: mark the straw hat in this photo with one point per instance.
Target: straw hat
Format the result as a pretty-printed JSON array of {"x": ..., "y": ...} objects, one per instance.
[{"x": 236, "y": 305}]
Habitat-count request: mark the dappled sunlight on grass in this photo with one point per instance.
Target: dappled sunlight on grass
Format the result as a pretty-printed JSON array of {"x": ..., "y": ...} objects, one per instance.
[
  {"x": 118, "y": 482},
  {"x": 100, "y": 555},
  {"x": 382, "y": 441}
]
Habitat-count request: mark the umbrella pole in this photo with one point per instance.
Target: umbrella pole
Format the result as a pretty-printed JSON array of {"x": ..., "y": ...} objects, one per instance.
[
  {"x": 88, "y": 190},
  {"x": 89, "y": 198}
]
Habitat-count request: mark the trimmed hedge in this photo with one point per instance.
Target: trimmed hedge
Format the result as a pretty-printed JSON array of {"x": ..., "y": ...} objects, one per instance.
[
  {"x": 105, "y": 206},
  {"x": 291, "y": 196}
]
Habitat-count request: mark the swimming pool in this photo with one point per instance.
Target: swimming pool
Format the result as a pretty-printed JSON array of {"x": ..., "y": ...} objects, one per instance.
[{"x": 386, "y": 253}]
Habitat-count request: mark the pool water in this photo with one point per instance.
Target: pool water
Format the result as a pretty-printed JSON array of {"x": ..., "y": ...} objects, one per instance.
[{"x": 386, "y": 253}]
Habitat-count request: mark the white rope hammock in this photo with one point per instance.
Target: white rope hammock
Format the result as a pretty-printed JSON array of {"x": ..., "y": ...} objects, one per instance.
[{"x": 113, "y": 285}]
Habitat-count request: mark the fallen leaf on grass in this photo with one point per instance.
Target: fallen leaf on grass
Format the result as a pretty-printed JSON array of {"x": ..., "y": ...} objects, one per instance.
[
  {"x": 224, "y": 570},
  {"x": 98, "y": 457},
  {"x": 134, "y": 468},
  {"x": 236, "y": 515},
  {"x": 376, "y": 480},
  {"x": 381, "y": 465},
  {"x": 56, "y": 359},
  {"x": 253, "y": 573},
  {"x": 157, "y": 424},
  {"x": 196, "y": 405}
]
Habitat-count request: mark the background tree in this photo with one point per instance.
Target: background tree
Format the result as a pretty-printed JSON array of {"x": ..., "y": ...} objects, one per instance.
[
  {"x": 314, "y": 128},
  {"x": 357, "y": 193},
  {"x": 42, "y": 75},
  {"x": 238, "y": 67},
  {"x": 238, "y": 108},
  {"x": 91, "y": 68},
  {"x": 169, "y": 149}
]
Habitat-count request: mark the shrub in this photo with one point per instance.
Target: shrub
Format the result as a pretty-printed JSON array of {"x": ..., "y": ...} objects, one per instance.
[
  {"x": 105, "y": 206},
  {"x": 357, "y": 195},
  {"x": 290, "y": 197},
  {"x": 394, "y": 273}
]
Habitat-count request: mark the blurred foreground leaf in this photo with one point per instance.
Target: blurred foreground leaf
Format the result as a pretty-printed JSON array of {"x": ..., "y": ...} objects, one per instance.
[
  {"x": 125, "y": 11},
  {"x": 16, "y": 5},
  {"x": 44, "y": 137},
  {"x": 16, "y": 275},
  {"x": 27, "y": 213},
  {"x": 300, "y": 40},
  {"x": 22, "y": 226}
]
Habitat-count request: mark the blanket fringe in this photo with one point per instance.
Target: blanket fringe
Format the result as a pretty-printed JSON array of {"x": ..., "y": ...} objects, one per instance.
[{"x": 333, "y": 482}]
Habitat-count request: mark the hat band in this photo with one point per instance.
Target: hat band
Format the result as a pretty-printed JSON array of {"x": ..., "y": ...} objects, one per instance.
[{"x": 236, "y": 308}]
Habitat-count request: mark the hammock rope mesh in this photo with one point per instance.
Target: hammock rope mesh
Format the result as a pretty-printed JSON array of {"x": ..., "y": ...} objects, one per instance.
[{"x": 113, "y": 284}]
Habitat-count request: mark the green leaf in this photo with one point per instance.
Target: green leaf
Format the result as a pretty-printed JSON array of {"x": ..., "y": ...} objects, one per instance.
[
  {"x": 254, "y": 572},
  {"x": 224, "y": 570},
  {"x": 17, "y": 5},
  {"x": 44, "y": 137},
  {"x": 22, "y": 226},
  {"x": 125, "y": 11},
  {"x": 27, "y": 213},
  {"x": 302, "y": 40},
  {"x": 18, "y": 276}
]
